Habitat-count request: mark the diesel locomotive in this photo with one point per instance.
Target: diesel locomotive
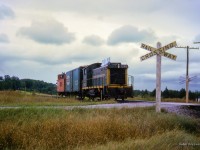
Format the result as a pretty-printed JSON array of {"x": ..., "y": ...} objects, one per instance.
[{"x": 105, "y": 81}]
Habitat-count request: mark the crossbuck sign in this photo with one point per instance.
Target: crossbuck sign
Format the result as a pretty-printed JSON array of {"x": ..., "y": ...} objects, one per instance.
[{"x": 159, "y": 51}]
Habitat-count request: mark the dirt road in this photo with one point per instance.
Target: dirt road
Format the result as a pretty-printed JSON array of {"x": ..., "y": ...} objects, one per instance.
[{"x": 188, "y": 109}]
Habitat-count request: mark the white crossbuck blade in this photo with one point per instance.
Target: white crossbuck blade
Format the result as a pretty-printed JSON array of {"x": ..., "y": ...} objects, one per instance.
[{"x": 159, "y": 51}]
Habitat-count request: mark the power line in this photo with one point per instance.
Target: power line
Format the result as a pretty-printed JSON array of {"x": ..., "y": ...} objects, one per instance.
[{"x": 187, "y": 69}]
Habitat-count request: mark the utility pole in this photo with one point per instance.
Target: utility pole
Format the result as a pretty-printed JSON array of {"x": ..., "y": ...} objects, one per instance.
[
  {"x": 187, "y": 71},
  {"x": 158, "y": 79}
]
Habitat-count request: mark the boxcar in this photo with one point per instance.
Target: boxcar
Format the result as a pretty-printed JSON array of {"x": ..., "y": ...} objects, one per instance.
[{"x": 74, "y": 81}]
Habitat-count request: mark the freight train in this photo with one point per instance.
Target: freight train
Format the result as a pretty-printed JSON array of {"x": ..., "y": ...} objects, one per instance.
[{"x": 110, "y": 80}]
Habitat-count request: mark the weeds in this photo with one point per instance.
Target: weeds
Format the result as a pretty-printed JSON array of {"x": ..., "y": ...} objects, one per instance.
[
  {"x": 19, "y": 98},
  {"x": 149, "y": 98},
  {"x": 172, "y": 140},
  {"x": 42, "y": 128},
  {"x": 65, "y": 129}
]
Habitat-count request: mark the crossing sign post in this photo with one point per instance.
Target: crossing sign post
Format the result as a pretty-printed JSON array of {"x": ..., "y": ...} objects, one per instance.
[{"x": 159, "y": 51}]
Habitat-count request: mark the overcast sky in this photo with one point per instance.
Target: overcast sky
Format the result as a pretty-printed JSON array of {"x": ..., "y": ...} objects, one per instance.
[{"x": 42, "y": 38}]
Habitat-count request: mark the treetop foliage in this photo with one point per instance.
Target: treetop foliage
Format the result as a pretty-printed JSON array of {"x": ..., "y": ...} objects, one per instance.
[
  {"x": 14, "y": 83},
  {"x": 167, "y": 93}
]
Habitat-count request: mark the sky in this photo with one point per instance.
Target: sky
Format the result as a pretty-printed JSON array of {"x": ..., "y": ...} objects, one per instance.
[{"x": 42, "y": 38}]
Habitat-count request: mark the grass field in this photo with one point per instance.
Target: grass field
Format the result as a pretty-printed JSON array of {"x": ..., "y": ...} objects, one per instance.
[
  {"x": 83, "y": 129},
  {"x": 180, "y": 100},
  {"x": 138, "y": 128},
  {"x": 20, "y": 98}
]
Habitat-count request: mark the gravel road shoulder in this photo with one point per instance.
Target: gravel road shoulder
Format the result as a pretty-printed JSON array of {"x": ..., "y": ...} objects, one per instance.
[{"x": 186, "y": 109}]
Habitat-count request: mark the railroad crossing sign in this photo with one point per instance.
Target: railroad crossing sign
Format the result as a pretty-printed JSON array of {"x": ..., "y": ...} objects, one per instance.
[{"x": 159, "y": 51}]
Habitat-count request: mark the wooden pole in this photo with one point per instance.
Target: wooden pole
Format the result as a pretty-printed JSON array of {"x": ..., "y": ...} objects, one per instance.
[
  {"x": 158, "y": 52},
  {"x": 158, "y": 80},
  {"x": 187, "y": 76},
  {"x": 187, "y": 72}
]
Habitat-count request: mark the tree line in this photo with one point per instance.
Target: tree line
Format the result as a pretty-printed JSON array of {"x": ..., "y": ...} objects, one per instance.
[
  {"x": 14, "y": 83},
  {"x": 167, "y": 93}
]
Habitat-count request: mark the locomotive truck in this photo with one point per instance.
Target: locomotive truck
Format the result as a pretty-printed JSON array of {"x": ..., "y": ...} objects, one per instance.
[{"x": 106, "y": 81}]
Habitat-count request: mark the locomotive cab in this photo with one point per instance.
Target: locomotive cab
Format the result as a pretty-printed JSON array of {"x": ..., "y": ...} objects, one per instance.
[{"x": 112, "y": 81}]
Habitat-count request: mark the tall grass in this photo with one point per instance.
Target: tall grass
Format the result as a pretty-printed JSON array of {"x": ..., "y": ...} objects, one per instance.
[
  {"x": 149, "y": 98},
  {"x": 82, "y": 128},
  {"x": 172, "y": 140},
  {"x": 19, "y": 98},
  {"x": 25, "y": 97}
]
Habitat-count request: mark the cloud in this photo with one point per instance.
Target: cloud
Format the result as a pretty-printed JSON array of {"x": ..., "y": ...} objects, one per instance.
[
  {"x": 48, "y": 56},
  {"x": 6, "y": 12},
  {"x": 90, "y": 6},
  {"x": 169, "y": 21},
  {"x": 3, "y": 38},
  {"x": 197, "y": 38},
  {"x": 93, "y": 40},
  {"x": 128, "y": 34},
  {"x": 47, "y": 32}
]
